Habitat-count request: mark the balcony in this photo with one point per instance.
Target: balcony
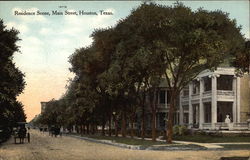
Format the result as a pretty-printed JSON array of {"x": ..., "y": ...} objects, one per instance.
[
  {"x": 195, "y": 96},
  {"x": 225, "y": 95},
  {"x": 207, "y": 94}
]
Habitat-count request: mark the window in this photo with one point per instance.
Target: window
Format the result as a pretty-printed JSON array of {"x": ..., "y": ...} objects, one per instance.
[
  {"x": 207, "y": 84},
  {"x": 176, "y": 118},
  {"x": 168, "y": 97},
  {"x": 196, "y": 87},
  {"x": 162, "y": 97},
  {"x": 185, "y": 118},
  {"x": 162, "y": 117},
  {"x": 207, "y": 109},
  {"x": 225, "y": 82}
]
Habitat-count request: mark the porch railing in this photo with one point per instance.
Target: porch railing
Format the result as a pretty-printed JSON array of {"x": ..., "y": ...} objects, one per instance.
[
  {"x": 206, "y": 125},
  {"x": 240, "y": 126},
  {"x": 207, "y": 93},
  {"x": 225, "y": 93},
  {"x": 228, "y": 126},
  {"x": 195, "y": 96}
]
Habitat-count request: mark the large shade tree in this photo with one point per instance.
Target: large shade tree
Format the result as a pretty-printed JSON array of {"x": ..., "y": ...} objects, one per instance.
[
  {"x": 187, "y": 41},
  {"x": 11, "y": 81}
]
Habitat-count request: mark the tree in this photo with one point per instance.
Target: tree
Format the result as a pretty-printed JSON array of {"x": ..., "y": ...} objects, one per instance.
[
  {"x": 186, "y": 41},
  {"x": 11, "y": 81},
  {"x": 242, "y": 58},
  {"x": 128, "y": 61}
]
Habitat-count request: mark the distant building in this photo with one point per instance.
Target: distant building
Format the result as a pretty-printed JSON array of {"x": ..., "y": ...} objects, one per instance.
[{"x": 43, "y": 106}]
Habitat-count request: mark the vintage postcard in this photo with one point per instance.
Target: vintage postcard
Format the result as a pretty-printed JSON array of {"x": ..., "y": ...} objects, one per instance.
[{"x": 122, "y": 79}]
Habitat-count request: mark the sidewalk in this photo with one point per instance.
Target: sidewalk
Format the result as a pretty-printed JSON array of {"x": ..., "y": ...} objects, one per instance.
[{"x": 206, "y": 145}]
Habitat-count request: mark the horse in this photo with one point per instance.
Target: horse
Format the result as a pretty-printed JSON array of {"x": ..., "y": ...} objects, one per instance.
[
  {"x": 21, "y": 134},
  {"x": 54, "y": 131}
]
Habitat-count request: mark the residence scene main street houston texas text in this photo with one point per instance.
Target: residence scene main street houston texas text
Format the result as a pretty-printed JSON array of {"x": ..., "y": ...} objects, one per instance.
[{"x": 119, "y": 80}]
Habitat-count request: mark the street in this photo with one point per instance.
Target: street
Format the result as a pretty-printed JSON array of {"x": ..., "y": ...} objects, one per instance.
[{"x": 44, "y": 147}]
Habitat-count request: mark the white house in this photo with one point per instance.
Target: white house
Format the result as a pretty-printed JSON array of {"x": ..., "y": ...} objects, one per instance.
[{"x": 208, "y": 99}]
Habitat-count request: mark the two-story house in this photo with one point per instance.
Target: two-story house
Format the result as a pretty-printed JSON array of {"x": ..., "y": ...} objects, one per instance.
[{"x": 208, "y": 100}]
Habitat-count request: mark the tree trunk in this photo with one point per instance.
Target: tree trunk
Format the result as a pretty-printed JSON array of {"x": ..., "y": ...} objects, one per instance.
[
  {"x": 153, "y": 125},
  {"x": 170, "y": 118},
  {"x": 87, "y": 128},
  {"x": 110, "y": 129},
  {"x": 77, "y": 129},
  {"x": 81, "y": 129},
  {"x": 143, "y": 117},
  {"x": 153, "y": 105},
  {"x": 116, "y": 125},
  {"x": 92, "y": 129},
  {"x": 103, "y": 128},
  {"x": 124, "y": 125},
  {"x": 84, "y": 129},
  {"x": 132, "y": 125}
]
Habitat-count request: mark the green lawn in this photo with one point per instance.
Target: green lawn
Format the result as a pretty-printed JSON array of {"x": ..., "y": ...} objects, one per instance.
[
  {"x": 128, "y": 140},
  {"x": 148, "y": 143},
  {"x": 211, "y": 139},
  {"x": 236, "y": 146}
]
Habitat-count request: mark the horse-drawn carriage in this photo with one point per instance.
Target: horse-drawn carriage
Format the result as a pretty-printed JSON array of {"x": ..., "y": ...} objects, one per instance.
[
  {"x": 21, "y": 132},
  {"x": 54, "y": 131}
]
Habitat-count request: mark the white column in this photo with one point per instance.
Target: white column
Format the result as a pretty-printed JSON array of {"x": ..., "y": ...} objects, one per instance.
[
  {"x": 181, "y": 110},
  {"x": 201, "y": 119},
  {"x": 190, "y": 105},
  {"x": 214, "y": 102},
  {"x": 238, "y": 99},
  {"x": 197, "y": 113},
  {"x": 235, "y": 101}
]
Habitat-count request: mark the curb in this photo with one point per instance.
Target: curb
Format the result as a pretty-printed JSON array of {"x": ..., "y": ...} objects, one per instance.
[{"x": 109, "y": 142}]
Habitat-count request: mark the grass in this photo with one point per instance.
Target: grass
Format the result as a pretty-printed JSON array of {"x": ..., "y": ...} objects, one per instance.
[
  {"x": 149, "y": 143},
  {"x": 211, "y": 139},
  {"x": 128, "y": 140},
  {"x": 234, "y": 158},
  {"x": 236, "y": 146},
  {"x": 191, "y": 138}
]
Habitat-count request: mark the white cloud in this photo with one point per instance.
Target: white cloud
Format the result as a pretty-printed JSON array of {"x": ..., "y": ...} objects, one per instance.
[
  {"x": 247, "y": 34},
  {"x": 32, "y": 42},
  {"x": 32, "y": 52},
  {"x": 46, "y": 31},
  {"x": 59, "y": 42},
  {"x": 49, "y": 45},
  {"x": 22, "y": 28},
  {"x": 74, "y": 25}
]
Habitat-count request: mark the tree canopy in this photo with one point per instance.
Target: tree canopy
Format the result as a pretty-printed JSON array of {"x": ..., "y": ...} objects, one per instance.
[
  {"x": 11, "y": 81},
  {"x": 129, "y": 61}
]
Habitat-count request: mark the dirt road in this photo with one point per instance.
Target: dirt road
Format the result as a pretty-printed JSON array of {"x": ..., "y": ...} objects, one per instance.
[{"x": 43, "y": 147}]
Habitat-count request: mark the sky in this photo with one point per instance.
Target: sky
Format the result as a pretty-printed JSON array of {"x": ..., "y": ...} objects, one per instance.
[{"x": 48, "y": 41}]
